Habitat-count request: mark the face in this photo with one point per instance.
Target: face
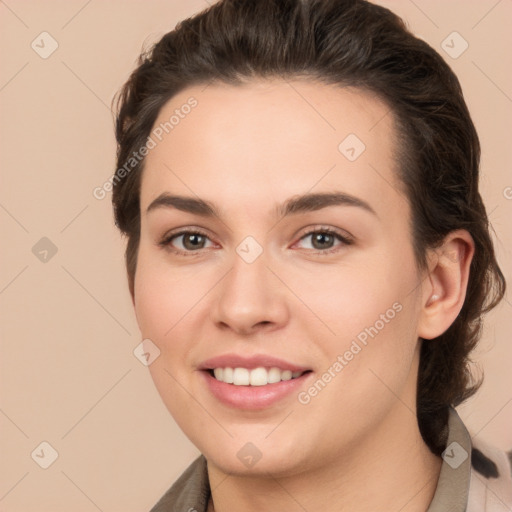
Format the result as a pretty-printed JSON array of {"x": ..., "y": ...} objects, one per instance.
[{"x": 300, "y": 264}]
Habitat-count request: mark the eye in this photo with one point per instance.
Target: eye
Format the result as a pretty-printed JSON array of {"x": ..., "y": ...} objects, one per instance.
[
  {"x": 185, "y": 241},
  {"x": 324, "y": 240}
]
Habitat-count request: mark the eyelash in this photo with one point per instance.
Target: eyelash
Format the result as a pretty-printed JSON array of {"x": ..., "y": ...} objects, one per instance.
[{"x": 166, "y": 241}]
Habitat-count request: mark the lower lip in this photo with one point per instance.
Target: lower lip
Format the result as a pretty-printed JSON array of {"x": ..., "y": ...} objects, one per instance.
[{"x": 253, "y": 397}]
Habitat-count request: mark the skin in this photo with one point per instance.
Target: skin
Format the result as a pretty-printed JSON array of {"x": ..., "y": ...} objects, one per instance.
[{"x": 356, "y": 445}]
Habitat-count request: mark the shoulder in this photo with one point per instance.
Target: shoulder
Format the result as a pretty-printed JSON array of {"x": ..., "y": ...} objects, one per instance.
[{"x": 490, "y": 487}]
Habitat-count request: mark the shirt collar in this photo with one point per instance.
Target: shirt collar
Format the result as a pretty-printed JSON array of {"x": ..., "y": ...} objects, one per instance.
[{"x": 453, "y": 485}]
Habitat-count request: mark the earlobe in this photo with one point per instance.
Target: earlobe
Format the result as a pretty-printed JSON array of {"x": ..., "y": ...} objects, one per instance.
[{"x": 447, "y": 284}]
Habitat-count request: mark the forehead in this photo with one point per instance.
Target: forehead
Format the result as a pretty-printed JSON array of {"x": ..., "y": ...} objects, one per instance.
[{"x": 268, "y": 139}]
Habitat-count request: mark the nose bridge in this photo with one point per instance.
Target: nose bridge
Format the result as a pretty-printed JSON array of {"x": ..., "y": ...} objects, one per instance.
[
  {"x": 249, "y": 294},
  {"x": 249, "y": 269}
]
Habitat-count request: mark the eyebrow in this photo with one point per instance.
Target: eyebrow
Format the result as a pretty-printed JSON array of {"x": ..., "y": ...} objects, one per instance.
[{"x": 298, "y": 204}]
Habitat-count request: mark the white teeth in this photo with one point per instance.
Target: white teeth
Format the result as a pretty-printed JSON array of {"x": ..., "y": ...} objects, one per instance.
[
  {"x": 286, "y": 375},
  {"x": 227, "y": 375},
  {"x": 257, "y": 377},
  {"x": 240, "y": 376},
  {"x": 274, "y": 375}
]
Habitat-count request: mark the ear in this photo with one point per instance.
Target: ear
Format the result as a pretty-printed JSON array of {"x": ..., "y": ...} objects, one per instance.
[{"x": 447, "y": 280}]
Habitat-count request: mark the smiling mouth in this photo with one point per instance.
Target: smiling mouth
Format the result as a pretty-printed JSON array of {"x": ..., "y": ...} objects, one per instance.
[{"x": 260, "y": 376}]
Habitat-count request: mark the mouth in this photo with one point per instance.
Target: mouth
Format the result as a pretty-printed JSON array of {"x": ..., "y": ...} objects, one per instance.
[
  {"x": 260, "y": 376},
  {"x": 253, "y": 389}
]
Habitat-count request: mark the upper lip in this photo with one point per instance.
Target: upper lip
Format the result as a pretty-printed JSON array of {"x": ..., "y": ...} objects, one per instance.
[{"x": 251, "y": 362}]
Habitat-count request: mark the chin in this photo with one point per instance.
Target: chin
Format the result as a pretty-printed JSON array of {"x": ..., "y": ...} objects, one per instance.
[
  {"x": 276, "y": 464},
  {"x": 257, "y": 457}
]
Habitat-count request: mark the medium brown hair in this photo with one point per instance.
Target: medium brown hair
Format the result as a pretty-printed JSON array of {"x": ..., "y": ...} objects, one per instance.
[{"x": 348, "y": 43}]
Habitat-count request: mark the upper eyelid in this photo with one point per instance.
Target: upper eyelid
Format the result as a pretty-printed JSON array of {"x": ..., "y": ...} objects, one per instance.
[
  {"x": 321, "y": 229},
  {"x": 166, "y": 239}
]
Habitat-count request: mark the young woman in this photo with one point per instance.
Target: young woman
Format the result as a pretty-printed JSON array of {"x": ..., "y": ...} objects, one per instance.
[{"x": 309, "y": 259}]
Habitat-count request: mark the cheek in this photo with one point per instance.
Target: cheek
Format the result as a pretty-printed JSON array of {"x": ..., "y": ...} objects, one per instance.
[
  {"x": 367, "y": 314},
  {"x": 165, "y": 296},
  {"x": 373, "y": 315},
  {"x": 345, "y": 300}
]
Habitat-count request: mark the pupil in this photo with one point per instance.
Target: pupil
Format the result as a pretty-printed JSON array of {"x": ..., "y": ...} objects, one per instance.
[
  {"x": 194, "y": 239},
  {"x": 323, "y": 238}
]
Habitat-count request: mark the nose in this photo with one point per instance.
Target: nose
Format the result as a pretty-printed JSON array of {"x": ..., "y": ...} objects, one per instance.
[{"x": 250, "y": 298}]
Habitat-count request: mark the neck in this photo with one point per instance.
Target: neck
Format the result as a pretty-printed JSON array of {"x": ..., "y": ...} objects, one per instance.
[{"x": 393, "y": 469}]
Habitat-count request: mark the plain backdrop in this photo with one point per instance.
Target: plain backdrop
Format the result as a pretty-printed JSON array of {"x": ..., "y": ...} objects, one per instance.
[{"x": 69, "y": 377}]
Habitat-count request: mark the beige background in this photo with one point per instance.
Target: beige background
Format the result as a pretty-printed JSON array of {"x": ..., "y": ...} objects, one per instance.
[{"x": 68, "y": 373}]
